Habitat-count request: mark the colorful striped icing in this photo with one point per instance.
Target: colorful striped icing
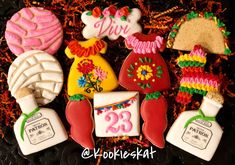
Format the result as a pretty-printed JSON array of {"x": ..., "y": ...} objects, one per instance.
[{"x": 194, "y": 79}]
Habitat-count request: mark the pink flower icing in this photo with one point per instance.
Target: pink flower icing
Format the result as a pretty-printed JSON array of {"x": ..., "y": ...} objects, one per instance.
[
  {"x": 106, "y": 12},
  {"x": 101, "y": 74},
  {"x": 33, "y": 28}
]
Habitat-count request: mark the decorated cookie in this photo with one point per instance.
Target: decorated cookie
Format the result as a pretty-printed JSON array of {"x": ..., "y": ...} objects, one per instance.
[
  {"x": 89, "y": 72},
  {"x": 79, "y": 115},
  {"x": 197, "y": 131},
  {"x": 154, "y": 113},
  {"x": 144, "y": 69},
  {"x": 194, "y": 79},
  {"x": 199, "y": 28},
  {"x": 38, "y": 71},
  {"x": 37, "y": 128},
  {"x": 116, "y": 114},
  {"x": 111, "y": 22},
  {"x": 33, "y": 28}
]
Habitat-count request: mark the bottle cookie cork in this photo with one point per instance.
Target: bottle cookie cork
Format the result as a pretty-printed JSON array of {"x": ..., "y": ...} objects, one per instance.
[
  {"x": 198, "y": 132},
  {"x": 37, "y": 128}
]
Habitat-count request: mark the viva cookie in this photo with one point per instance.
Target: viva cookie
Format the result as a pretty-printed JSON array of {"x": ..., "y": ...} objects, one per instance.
[
  {"x": 38, "y": 71},
  {"x": 79, "y": 115},
  {"x": 34, "y": 28}
]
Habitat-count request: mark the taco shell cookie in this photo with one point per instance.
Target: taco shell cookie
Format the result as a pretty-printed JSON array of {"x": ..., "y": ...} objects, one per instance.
[{"x": 199, "y": 29}]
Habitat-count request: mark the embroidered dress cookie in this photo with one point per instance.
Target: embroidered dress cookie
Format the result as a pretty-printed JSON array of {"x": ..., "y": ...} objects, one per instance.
[
  {"x": 116, "y": 114},
  {"x": 111, "y": 22},
  {"x": 203, "y": 29},
  {"x": 38, "y": 71},
  {"x": 34, "y": 28},
  {"x": 144, "y": 70},
  {"x": 89, "y": 72}
]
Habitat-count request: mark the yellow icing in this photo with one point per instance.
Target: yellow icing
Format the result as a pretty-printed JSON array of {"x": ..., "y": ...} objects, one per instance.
[{"x": 107, "y": 84}]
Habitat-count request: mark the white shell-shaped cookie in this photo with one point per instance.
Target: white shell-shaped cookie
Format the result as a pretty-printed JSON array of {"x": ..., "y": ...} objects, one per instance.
[{"x": 38, "y": 71}]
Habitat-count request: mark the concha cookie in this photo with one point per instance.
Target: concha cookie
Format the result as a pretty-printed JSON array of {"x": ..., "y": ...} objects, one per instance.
[
  {"x": 33, "y": 28},
  {"x": 38, "y": 71}
]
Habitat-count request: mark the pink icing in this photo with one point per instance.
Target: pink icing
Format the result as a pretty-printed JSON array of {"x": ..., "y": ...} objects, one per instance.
[
  {"x": 113, "y": 118},
  {"x": 106, "y": 12},
  {"x": 198, "y": 50},
  {"x": 143, "y": 47},
  {"x": 110, "y": 27},
  {"x": 202, "y": 81},
  {"x": 33, "y": 29},
  {"x": 127, "y": 125}
]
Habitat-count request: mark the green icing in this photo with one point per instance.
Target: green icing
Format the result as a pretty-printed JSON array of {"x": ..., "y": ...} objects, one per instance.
[
  {"x": 175, "y": 26},
  {"x": 227, "y": 51},
  {"x": 130, "y": 75},
  {"x": 190, "y": 63},
  {"x": 151, "y": 96},
  {"x": 77, "y": 97},
  {"x": 192, "y": 91},
  {"x": 220, "y": 23},
  {"x": 123, "y": 18},
  {"x": 173, "y": 34},
  {"x": 89, "y": 13},
  {"x": 208, "y": 15},
  {"x": 192, "y": 15},
  {"x": 226, "y": 33}
]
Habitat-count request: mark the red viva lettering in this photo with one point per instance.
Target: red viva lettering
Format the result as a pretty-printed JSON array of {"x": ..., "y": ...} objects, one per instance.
[{"x": 107, "y": 26}]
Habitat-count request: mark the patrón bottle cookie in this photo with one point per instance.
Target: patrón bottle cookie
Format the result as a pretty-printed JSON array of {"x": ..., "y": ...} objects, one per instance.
[
  {"x": 37, "y": 128},
  {"x": 197, "y": 132}
]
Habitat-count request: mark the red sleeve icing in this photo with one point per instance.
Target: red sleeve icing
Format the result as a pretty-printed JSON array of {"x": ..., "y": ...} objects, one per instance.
[
  {"x": 79, "y": 115},
  {"x": 154, "y": 113}
]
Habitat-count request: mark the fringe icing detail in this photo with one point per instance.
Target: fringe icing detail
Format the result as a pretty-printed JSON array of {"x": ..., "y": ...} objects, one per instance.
[
  {"x": 115, "y": 106},
  {"x": 76, "y": 49},
  {"x": 195, "y": 79},
  {"x": 197, "y": 58},
  {"x": 143, "y": 47}
]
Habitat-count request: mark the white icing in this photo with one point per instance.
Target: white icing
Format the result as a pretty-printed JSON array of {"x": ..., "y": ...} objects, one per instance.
[
  {"x": 101, "y": 124},
  {"x": 39, "y": 71},
  {"x": 131, "y": 23}
]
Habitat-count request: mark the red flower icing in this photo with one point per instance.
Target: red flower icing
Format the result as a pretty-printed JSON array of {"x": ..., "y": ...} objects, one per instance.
[
  {"x": 124, "y": 11},
  {"x": 112, "y": 10},
  {"x": 96, "y": 12},
  {"x": 85, "y": 66}
]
